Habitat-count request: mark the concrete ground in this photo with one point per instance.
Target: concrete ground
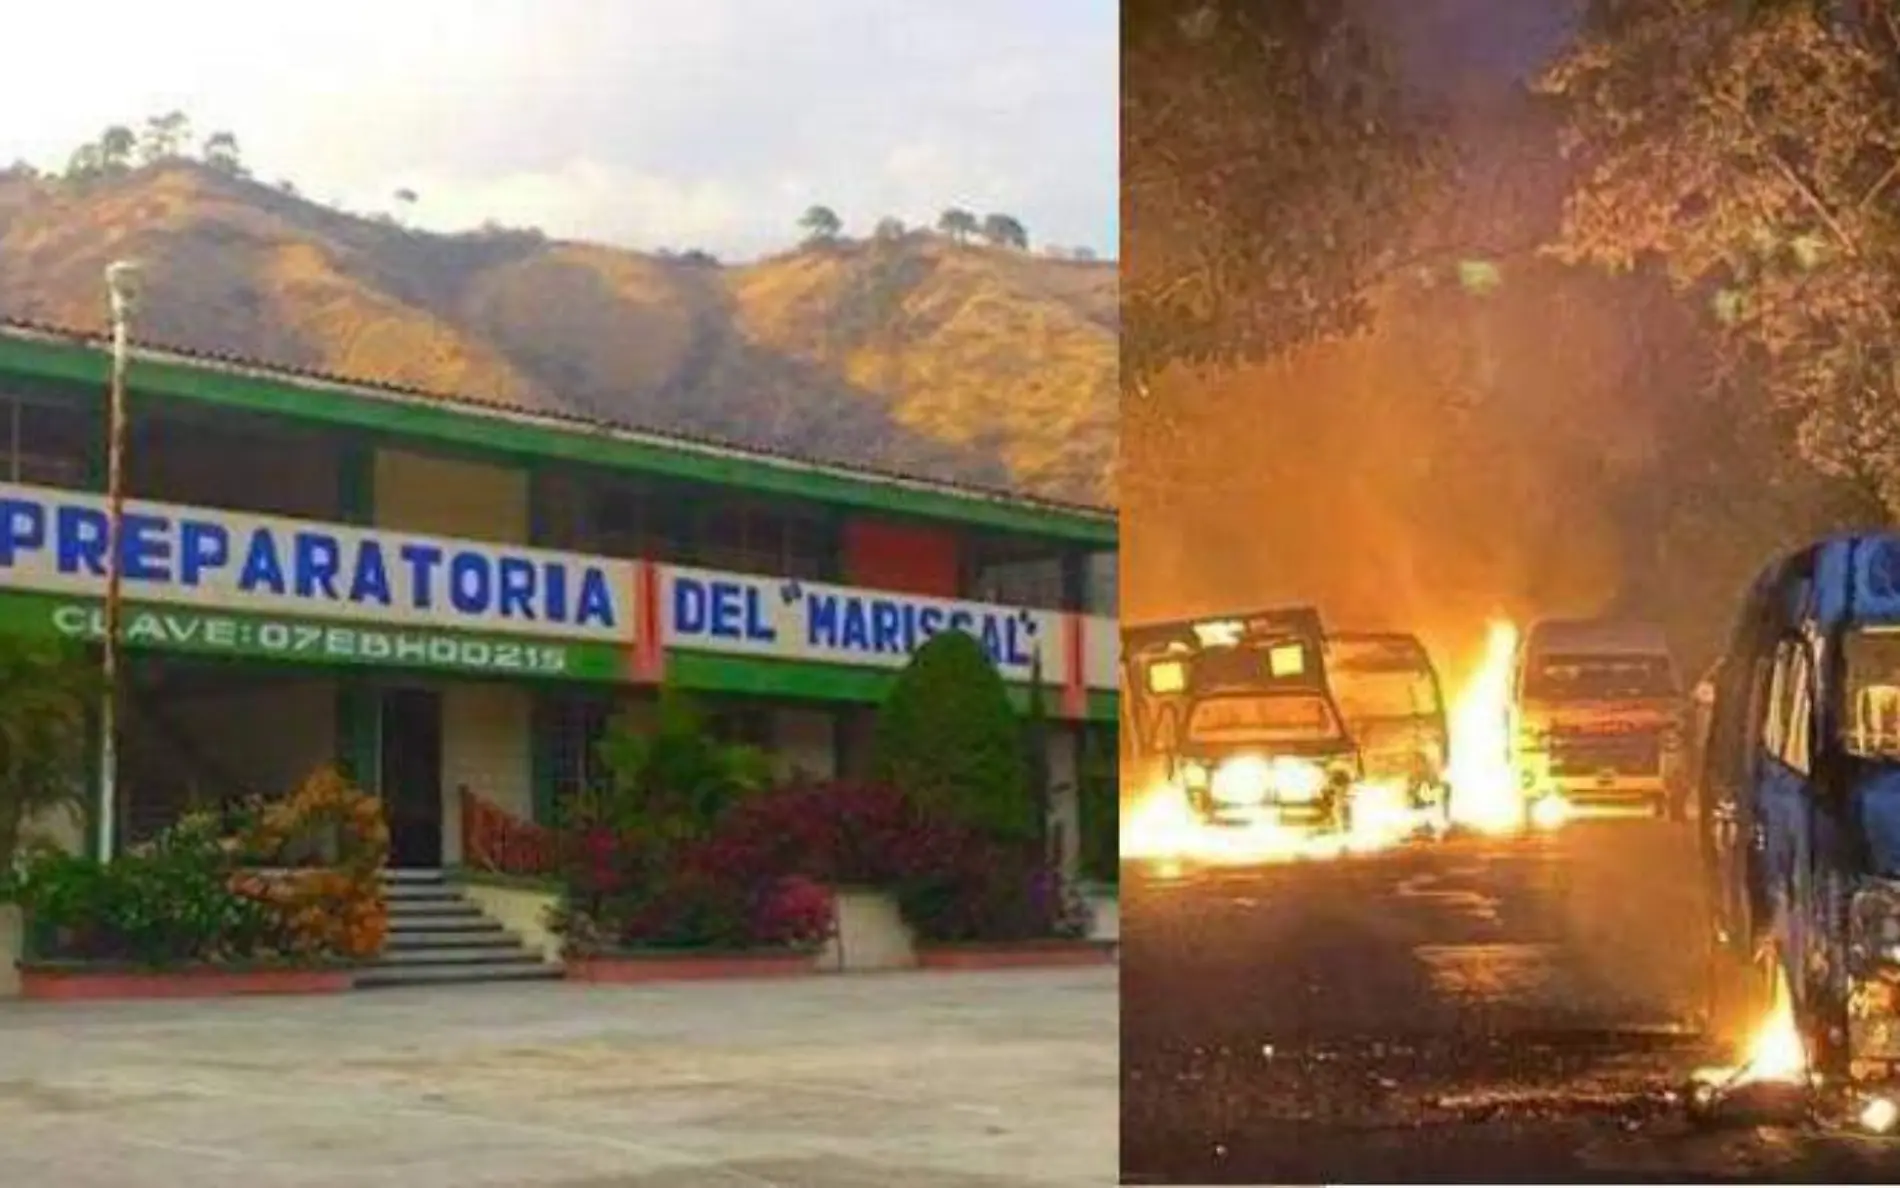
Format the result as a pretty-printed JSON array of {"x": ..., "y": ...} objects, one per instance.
[{"x": 926, "y": 1080}]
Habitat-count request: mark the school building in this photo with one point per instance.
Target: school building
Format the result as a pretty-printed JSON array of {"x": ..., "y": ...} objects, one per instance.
[{"x": 445, "y": 594}]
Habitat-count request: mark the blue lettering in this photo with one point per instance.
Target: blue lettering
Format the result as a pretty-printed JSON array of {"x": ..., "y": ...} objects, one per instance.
[
  {"x": 929, "y": 622},
  {"x": 22, "y": 526},
  {"x": 597, "y": 602},
  {"x": 554, "y": 592},
  {"x": 318, "y": 558},
  {"x": 80, "y": 536},
  {"x": 514, "y": 581},
  {"x": 143, "y": 548},
  {"x": 821, "y": 620},
  {"x": 854, "y": 636},
  {"x": 964, "y": 621},
  {"x": 756, "y": 626},
  {"x": 886, "y": 621},
  {"x": 469, "y": 583},
  {"x": 202, "y": 545},
  {"x": 369, "y": 578},
  {"x": 689, "y": 606},
  {"x": 261, "y": 565},
  {"x": 728, "y": 609},
  {"x": 992, "y": 641},
  {"x": 1013, "y": 635},
  {"x": 423, "y": 561}
]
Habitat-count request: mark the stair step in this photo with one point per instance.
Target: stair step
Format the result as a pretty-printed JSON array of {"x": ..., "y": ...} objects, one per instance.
[
  {"x": 485, "y": 933},
  {"x": 487, "y": 971},
  {"x": 410, "y": 874},
  {"x": 453, "y": 906},
  {"x": 509, "y": 954},
  {"x": 419, "y": 892},
  {"x": 461, "y": 925}
]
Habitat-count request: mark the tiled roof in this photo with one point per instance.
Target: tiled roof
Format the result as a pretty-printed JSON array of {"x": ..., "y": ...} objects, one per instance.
[{"x": 316, "y": 380}]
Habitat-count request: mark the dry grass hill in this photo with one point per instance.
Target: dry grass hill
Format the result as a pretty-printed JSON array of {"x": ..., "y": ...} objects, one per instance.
[{"x": 973, "y": 363}]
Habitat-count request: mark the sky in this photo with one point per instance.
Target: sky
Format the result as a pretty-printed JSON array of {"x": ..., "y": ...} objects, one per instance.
[{"x": 705, "y": 124}]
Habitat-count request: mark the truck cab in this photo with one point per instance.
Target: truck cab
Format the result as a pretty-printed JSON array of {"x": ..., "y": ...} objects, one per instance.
[
  {"x": 1597, "y": 715},
  {"x": 1237, "y": 712}
]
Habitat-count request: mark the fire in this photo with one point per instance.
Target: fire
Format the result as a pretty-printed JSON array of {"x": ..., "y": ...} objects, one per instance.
[
  {"x": 1485, "y": 793},
  {"x": 1163, "y": 828},
  {"x": 1775, "y": 1052}
]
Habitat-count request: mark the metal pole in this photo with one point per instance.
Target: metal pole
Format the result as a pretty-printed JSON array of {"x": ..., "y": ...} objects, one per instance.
[{"x": 118, "y": 289}]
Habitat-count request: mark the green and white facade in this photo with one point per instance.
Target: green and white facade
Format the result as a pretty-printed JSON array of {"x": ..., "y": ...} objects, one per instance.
[{"x": 443, "y": 595}]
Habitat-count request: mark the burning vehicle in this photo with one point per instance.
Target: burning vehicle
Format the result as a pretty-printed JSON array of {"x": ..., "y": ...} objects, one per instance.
[
  {"x": 1596, "y": 716},
  {"x": 1237, "y": 712},
  {"x": 1799, "y": 804},
  {"x": 1388, "y": 692}
]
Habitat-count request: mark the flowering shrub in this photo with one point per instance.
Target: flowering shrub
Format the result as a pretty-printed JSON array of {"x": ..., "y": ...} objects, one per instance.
[
  {"x": 762, "y": 875},
  {"x": 186, "y": 897}
]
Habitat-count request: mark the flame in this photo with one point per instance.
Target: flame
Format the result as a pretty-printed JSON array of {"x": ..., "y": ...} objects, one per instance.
[
  {"x": 1485, "y": 793},
  {"x": 1775, "y": 1052},
  {"x": 1163, "y": 829}
]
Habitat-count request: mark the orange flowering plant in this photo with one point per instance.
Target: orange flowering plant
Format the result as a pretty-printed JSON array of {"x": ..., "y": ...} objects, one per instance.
[{"x": 325, "y": 847}]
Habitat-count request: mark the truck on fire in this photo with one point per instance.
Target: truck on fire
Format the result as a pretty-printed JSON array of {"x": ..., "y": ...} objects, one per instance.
[
  {"x": 1236, "y": 712},
  {"x": 1596, "y": 716},
  {"x": 1387, "y": 689},
  {"x": 1799, "y": 807}
]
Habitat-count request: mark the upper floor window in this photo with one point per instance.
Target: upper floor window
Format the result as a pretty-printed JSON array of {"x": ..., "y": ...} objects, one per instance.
[
  {"x": 1016, "y": 573},
  {"x": 47, "y": 440},
  {"x": 750, "y": 537},
  {"x": 1101, "y": 584}
]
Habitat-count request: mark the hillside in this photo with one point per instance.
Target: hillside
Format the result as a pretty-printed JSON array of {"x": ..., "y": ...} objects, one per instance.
[{"x": 971, "y": 363}]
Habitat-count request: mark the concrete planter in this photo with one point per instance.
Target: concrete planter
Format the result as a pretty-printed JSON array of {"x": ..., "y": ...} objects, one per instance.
[
  {"x": 636, "y": 966},
  {"x": 521, "y": 910},
  {"x": 871, "y": 933},
  {"x": 1031, "y": 954},
  {"x": 12, "y": 937},
  {"x": 80, "y": 981}
]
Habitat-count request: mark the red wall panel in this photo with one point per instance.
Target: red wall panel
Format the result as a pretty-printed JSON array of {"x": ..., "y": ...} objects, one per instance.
[{"x": 907, "y": 558}]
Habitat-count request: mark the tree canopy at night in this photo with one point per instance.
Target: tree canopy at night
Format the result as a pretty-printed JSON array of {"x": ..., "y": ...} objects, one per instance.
[
  {"x": 1269, "y": 158},
  {"x": 1752, "y": 152}
]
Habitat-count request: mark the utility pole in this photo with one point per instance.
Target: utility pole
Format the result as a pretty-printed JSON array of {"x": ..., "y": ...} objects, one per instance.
[{"x": 120, "y": 275}]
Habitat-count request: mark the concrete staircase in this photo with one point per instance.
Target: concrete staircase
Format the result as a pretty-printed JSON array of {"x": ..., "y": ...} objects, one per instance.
[{"x": 437, "y": 935}]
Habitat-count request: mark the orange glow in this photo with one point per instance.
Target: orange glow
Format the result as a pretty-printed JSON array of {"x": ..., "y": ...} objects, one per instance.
[
  {"x": 1163, "y": 829},
  {"x": 1485, "y": 792},
  {"x": 1775, "y": 1052}
]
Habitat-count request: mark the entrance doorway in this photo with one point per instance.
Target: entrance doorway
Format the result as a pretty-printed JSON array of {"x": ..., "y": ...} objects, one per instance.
[{"x": 412, "y": 775}]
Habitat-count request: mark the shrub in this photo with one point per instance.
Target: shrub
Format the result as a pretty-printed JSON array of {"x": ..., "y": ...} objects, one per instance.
[
  {"x": 948, "y": 737},
  {"x": 672, "y": 781},
  {"x": 45, "y": 688}
]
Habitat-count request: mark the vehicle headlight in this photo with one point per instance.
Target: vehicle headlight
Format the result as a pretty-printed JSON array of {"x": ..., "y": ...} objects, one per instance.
[
  {"x": 1298, "y": 779},
  {"x": 1243, "y": 781},
  {"x": 1194, "y": 775}
]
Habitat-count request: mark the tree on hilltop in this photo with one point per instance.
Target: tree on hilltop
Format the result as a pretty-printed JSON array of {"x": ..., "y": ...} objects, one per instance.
[
  {"x": 164, "y": 137},
  {"x": 959, "y": 224},
  {"x": 1001, "y": 230},
  {"x": 821, "y": 224},
  {"x": 221, "y": 153}
]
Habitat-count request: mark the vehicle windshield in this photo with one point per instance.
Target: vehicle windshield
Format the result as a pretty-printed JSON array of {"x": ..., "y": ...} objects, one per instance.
[
  {"x": 1872, "y": 693},
  {"x": 1290, "y": 717},
  {"x": 1599, "y": 678},
  {"x": 1368, "y": 696}
]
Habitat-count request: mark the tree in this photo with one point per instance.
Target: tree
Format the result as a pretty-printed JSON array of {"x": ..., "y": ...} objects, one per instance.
[
  {"x": 406, "y": 196},
  {"x": 45, "y": 689},
  {"x": 948, "y": 738},
  {"x": 164, "y": 137},
  {"x": 1753, "y": 152},
  {"x": 1001, "y": 230},
  {"x": 221, "y": 153},
  {"x": 959, "y": 224},
  {"x": 1270, "y": 169},
  {"x": 672, "y": 779},
  {"x": 821, "y": 224},
  {"x": 888, "y": 229},
  {"x": 115, "y": 149}
]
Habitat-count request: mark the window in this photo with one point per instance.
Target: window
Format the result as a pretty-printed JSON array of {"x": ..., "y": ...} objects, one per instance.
[
  {"x": 573, "y": 728},
  {"x": 46, "y": 441},
  {"x": 1785, "y": 733},
  {"x": 750, "y": 537},
  {"x": 742, "y": 724},
  {"x": 1101, "y": 584},
  {"x": 632, "y": 520},
  {"x": 1016, "y": 572}
]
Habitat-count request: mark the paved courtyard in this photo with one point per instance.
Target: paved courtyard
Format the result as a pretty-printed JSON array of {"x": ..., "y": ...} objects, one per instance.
[{"x": 924, "y": 1080}]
